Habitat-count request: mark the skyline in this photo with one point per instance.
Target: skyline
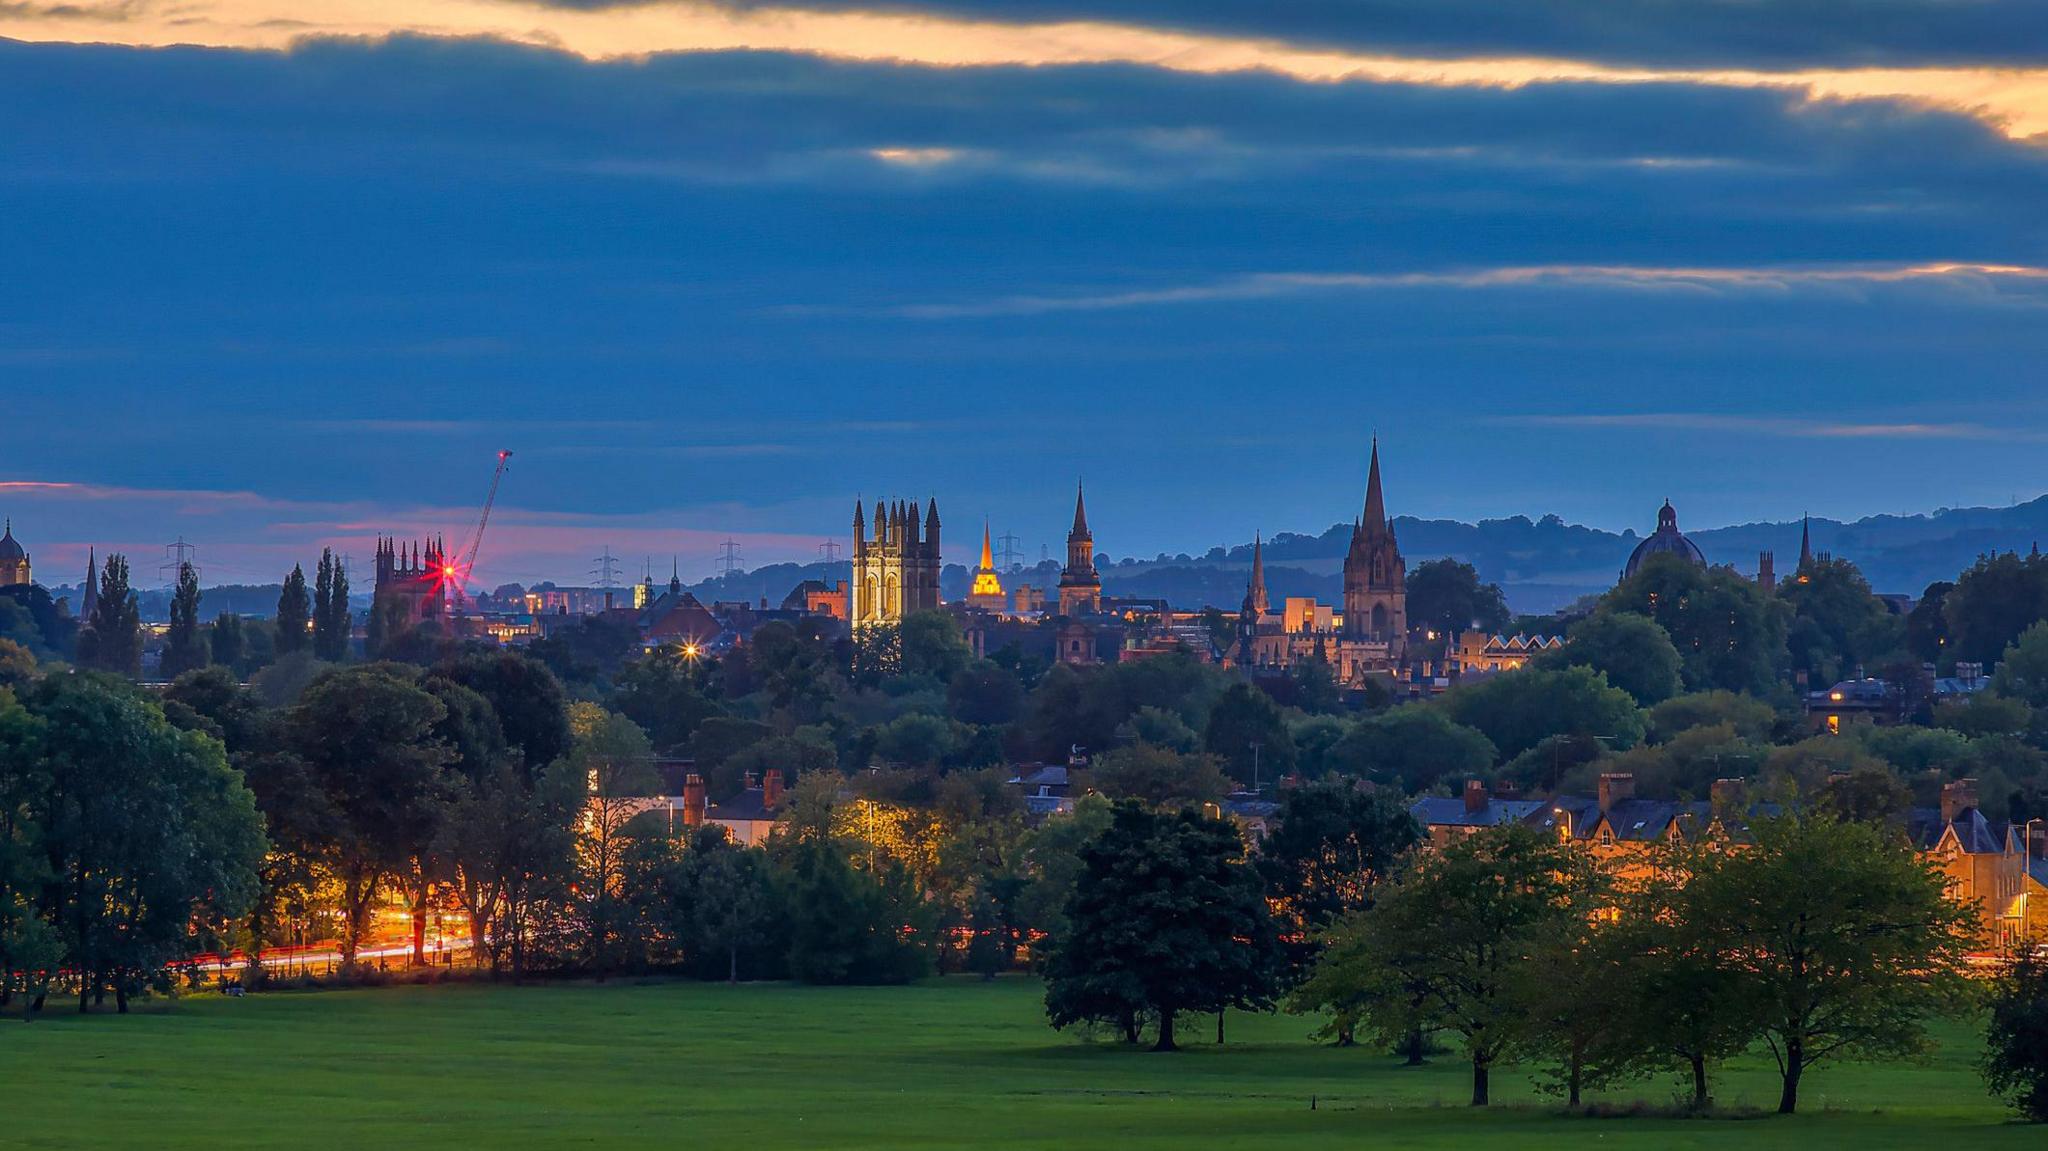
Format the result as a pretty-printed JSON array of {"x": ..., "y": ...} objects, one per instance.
[{"x": 715, "y": 269}]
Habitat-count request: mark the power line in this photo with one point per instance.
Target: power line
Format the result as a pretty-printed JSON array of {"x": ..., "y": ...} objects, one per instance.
[
  {"x": 605, "y": 569},
  {"x": 177, "y": 557},
  {"x": 1007, "y": 551},
  {"x": 829, "y": 551},
  {"x": 728, "y": 556}
]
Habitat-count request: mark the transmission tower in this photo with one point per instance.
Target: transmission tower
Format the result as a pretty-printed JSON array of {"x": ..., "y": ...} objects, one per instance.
[
  {"x": 728, "y": 556},
  {"x": 829, "y": 551},
  {"x": 605, "y": 569},
  {"x": 1007, "y": 551},
  {"x": 177, "y": 557}
]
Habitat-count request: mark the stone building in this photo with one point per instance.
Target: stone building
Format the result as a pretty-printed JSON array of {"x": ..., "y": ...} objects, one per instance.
[{"x": 895, "y": 570}]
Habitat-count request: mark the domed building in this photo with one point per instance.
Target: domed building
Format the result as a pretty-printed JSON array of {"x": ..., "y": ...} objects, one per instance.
[
  {"x": 14, "y": 569},
  {"x": 1666, "y": 540}
]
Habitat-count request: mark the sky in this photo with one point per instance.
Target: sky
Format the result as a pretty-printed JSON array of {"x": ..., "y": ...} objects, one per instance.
[{"x": 284, "y": 274}]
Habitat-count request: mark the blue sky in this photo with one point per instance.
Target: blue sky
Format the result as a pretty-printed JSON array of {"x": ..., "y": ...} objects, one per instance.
[{"x": 274, "y": 275}]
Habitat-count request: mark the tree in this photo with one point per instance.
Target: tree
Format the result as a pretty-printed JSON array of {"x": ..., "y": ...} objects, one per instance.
[
  {"x": 984, "y": 693},
  {"x": 1845, "y": 940},
  {"x": 1446, "y": 597},
  {"x": 2015, "y": 1061},
  {"x": 1412, "y": 748},
  {"x": 1581, "y": 1032},
  {"x": 111, "y": 639},
  {"x": 332, "y": 621},
  {"x": 732, "y": 904},
  {"x": 1520, "y": 709},
  {"x": 1160, "y": 777},
  {"x": 2023, "y": 671},
  {"x": 184, "y": 648},
  {"x": 228, "y": 643},
  {"x": 1246, "y": 731},
  {"x": 1167, "y": 917},
  {"x": 933, "y": 645},
  {"x": 1446, "y": 946},
  {"x": 1999, "y": 597},
  {"x": 848, "y": 925},
  {"x": 1837, "y": 625},
  {"x": 367, "y": 737},
  {"x": 530, "y": 705},
  {"x": 1330, "y": 847},
  {"x": 1728, "y": 632},
  {"x": 140, "y": 825},
  {"x": 1927, "y": 624},
  {"x": 612, "y": 758},
  {"x": 1633, "y": 652},
  {"x": 294, "y": 610},
  {"x": 1748, "y": 718},
  {"x": 1679, "y": 993},
  {"x": 663, "y": 695}
]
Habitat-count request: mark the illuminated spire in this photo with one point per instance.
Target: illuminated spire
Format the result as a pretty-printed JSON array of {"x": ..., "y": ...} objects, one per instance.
[
  {"x": 985, "y": 581},
  {"x": 988, "y": 553}
]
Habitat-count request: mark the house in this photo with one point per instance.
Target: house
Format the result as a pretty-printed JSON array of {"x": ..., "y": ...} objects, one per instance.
[
  {"x": 1984, "y": 861},
  {"x": 751, "y": 814},
  {"x": 1445, "y": 819},
  {"x": 1047, "y": 788}
]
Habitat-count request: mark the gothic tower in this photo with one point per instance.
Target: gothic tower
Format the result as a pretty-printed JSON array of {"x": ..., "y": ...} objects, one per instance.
[
  {"x": 1080, "y": 587},
  {"x": 896, "y": 569},
  {"x": 1375, "y": 577},
  {"x": 987, "y": 592}
]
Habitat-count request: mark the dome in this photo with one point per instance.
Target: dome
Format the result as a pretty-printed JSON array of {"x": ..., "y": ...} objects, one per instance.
[
  {"x": 10, "y": 551},
  {"x": 1666, "y": 540}
]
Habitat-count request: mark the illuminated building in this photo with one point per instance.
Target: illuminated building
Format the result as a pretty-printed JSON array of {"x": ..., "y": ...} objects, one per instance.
[
  {"x": 1080, "y": 587},
  {"x": 896, "y": 571},
  {"x": 414, "y": 578},
  {"x": 1375, "y": 576},
  {"x": 987, "y": 592},
  {"x": 14, "y": 566}
]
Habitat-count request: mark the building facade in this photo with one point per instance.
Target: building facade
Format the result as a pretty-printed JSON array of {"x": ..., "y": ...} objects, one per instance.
[
  {"x": 414, "y": 578},
  {"x": 895, "y": 570},
  {"x": 1375, "y": 576}
]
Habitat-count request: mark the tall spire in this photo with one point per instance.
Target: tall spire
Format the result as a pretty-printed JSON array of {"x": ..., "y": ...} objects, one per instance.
[
  {"x": 1255, "y": 600},
  {"x": 90, "y": 597},
  {"x": 1375, "y": 503},
  {"x": 988, "y": 553},
  {"x": 1080, "y": 514},
  {"x": 1805, "y": 540}
]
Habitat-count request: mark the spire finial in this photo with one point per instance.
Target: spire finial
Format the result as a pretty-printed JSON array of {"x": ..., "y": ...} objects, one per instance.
[{"x": 1375, "y": 502}]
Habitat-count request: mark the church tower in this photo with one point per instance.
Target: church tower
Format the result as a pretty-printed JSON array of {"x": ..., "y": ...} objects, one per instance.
[
  {"x": 987, "y": 592},
  {"x": 1080, "y": 587},
  {"x": 1375, "y": 576},
  {"x": 896, "y": 569}
]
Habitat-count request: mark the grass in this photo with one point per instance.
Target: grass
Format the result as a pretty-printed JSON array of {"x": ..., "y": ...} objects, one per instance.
[{"x": 951, "y": 1063}]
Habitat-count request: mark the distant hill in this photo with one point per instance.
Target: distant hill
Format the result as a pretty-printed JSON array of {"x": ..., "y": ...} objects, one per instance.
[{"x": 1542, "y": 564}]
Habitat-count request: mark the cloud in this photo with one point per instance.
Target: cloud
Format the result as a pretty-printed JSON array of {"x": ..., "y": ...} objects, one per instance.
[
  {"x": 1270, "y": 285},
  {"x": 2013, "y": 95},
  {"x": 1791, "y": 428}
]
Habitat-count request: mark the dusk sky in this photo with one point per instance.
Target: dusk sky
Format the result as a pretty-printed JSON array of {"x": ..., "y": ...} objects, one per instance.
[{"x": 279, "y": 273}]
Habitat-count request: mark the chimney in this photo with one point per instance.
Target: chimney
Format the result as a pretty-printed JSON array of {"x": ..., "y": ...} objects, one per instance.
[
  {"x": 1957, "y": 798},
  {"x": 1615, "y": 786},
  {"x": 693, "y": 800},
  {"x": 771, "y": 788},
  {"x": 1725, "y": 794},
  {"x": 1475, "y": 795}
]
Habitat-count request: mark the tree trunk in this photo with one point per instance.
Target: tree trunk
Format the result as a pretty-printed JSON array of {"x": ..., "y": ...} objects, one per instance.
[
  {"x": 120, "y": 999},
  {"x": 1788, "y": 1101},
  {"x": 1129, "y": 1023},
  {"x": 1575, "y": 1080},
  {"x": 1219, "y": 1029},
  {"x": 1165, "y": 1042},
  {"x": 1699, "y": 1083},
  {"x": 732, "y": 959},
  {"x": 419, "y": 919},
  {"x": 1413, "y": 1047},
  {"x": 1347, "y": 1034},
  {"x": 1479, "y": 1081}
]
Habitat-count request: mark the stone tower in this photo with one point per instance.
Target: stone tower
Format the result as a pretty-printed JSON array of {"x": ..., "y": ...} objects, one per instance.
[
  {"x": 1080, "y": 587},
  {"x": 1375, "y": 577},
  {"x": 896, "y": 569},
  {"x": 413, "y": 576},
  {"x": 14, "y": 565}
]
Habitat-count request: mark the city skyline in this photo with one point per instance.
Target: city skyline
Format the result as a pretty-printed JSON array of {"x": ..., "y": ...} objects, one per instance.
[{"x": 712, "y": 269}]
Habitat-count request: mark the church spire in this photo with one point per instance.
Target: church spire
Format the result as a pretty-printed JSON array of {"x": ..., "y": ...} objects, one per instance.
[
  {"x": 1375, "y": 503},
  {"x": 1805, "y": 540},
  {"x": 988, "y": 553},
  {"x": 1080, "y": 515},
  {"x": 1255, "y": 600},
  {"x": 90, "y": 597}
]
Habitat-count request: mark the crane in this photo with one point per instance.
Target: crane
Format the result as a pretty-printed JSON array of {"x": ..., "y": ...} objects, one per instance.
[{"x": 460, "y": 569}]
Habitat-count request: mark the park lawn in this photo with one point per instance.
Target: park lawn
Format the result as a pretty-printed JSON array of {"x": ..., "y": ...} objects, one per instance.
[{"x": 949, "y": 1063}]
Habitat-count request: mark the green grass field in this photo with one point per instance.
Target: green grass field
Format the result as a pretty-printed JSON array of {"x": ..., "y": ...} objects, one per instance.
[{"x": 953, "y": 1063}]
